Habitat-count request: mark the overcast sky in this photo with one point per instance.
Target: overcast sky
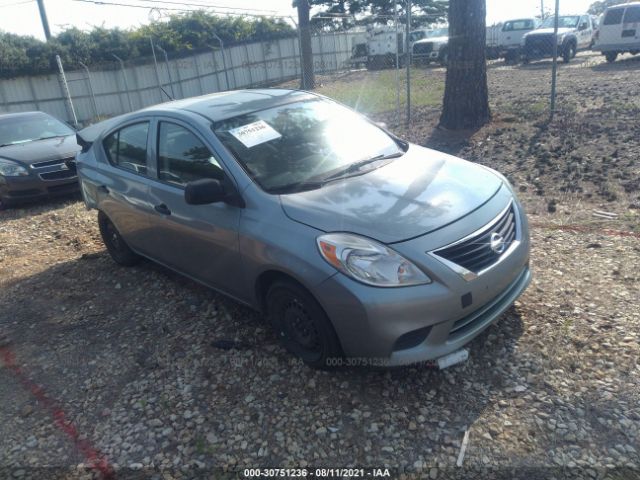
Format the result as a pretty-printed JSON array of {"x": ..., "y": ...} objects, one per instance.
[{"x": 22, "y": 17}]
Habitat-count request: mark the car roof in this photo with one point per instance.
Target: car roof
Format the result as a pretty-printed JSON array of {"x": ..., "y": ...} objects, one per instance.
[
  {"x": 224, "y": 105},
  {"x": 622, "y": 5},
  {"x": 215, "y": 107}
]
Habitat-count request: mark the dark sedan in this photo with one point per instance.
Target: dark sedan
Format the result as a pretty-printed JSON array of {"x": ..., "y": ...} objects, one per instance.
[{"x": 36, "y": 155}]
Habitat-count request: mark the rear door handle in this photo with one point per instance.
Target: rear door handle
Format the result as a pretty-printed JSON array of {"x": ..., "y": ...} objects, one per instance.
[
  {"x": 103, "y": 189},
  {"x": 162, "y": 209}
]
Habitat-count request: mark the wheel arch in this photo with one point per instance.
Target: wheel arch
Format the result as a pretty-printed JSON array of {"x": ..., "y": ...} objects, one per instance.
[{"x": 269, "y": 277}]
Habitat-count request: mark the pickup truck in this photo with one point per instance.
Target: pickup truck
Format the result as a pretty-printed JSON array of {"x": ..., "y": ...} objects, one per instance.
[
  {"x": 432, "y": 48},
  {"x": 511, "y": 34},
  {"x": 575, "y": 32}
]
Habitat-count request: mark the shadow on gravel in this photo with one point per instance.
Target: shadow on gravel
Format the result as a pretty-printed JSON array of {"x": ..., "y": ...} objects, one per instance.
[
  {"x": 622, "y": 64},
  {"x": 29, "y": 209},
  {"x": 449, "y": 141}
]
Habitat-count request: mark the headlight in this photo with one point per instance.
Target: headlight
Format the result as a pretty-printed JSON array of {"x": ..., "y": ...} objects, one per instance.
[
  {"x": 12, "y": 169},
  {"x": 369, "y": 262}
]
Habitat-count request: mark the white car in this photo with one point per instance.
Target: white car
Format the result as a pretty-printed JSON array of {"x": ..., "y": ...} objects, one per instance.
[{"x": 619, "y": 31}]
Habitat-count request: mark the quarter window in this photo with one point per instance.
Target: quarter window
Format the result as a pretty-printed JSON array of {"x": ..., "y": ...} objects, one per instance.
[
  {"x": 613, "y": 16},
  {"x": 632, "y": 15},
  {"x": 182, "y": 157},
  {"x": 127, "y": 148}
]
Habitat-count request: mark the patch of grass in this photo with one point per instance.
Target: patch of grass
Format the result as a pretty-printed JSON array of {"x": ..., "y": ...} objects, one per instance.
[
  {"x": 375, "y": 92},
  {"x": 525, "y": 110}
]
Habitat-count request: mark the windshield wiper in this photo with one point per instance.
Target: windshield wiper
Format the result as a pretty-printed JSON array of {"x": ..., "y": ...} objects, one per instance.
[
  {"x": 48, "y": 138},
  {"x": 296, "y": 187},
  {"x": 357, "y": 166},
  {"x": 342, "y": 173}
]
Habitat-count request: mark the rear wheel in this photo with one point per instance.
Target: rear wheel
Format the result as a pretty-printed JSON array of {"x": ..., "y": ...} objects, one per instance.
[
  {"x": 611, "y": 56},
  {"x": 301, "y": 324},
  {"x": 116, "y": 246}
]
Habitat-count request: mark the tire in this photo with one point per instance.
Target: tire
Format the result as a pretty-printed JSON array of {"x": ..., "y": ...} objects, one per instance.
[
  {"x": 568, "y": 52},
  {"x": 611, "y": 56},
  {"x": 4, "y": 204},
  {"x": 116, "y": 246},
  {"x": 443, "y": 58},
  {"x": 301, "y": 324}
]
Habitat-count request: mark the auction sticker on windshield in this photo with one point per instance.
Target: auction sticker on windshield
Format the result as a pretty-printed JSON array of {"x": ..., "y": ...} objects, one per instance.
[{"x": 255, "y": 133}]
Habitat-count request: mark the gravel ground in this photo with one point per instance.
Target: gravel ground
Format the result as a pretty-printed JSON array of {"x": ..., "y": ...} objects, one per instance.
[{"x": 136, "y": 371}]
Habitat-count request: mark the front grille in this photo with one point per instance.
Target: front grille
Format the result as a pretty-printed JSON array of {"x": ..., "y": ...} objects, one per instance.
[
  {"x": 540, "y": 44},
  {"x": 422, "y": 48},
  {"x": 476, "y": 252},
  {"x": 58, "y": 175},
  {"x": 50, "y": 163}
]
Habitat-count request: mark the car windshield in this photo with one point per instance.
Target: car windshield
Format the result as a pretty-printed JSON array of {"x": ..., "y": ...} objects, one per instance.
[
  {"x": 563, "y": 22},
  {"x": 302, "y": 142},
  {"x": 29, "y": 128},
  {"x": 438, "y": 32},
  {"x": 417, "y": 35}
]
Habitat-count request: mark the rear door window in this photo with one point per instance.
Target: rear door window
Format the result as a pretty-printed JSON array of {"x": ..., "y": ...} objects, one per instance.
[
  {"x": 613, "y": 16},
  {"x": 127, "y": 148},
  {"x": 632, "y": 15},
  {"x": 182, "y": 157}
]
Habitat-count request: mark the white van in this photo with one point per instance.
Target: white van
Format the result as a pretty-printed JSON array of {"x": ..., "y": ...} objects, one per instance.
[{"x": 619, "y": 31}]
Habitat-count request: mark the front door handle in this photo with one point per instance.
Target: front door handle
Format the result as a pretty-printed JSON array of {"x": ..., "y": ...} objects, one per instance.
[
  {"x": 103, "y": 189},
  {"x": 163, "y": 209}
]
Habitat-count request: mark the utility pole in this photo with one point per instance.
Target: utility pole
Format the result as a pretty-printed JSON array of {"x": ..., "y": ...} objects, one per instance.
[
  {"x": 542, "y": 9},
  {"x": 308, "y": 78},
  {"x": 45, "y": 22},
  {"x": 554, "y": 69},
  {"x": 408, "y": 57}
]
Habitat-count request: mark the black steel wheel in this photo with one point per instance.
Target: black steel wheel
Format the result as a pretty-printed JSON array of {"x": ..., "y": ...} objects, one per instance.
[
  {"x": 301, "y": 325},
  {"x": 116, "y": 246}
]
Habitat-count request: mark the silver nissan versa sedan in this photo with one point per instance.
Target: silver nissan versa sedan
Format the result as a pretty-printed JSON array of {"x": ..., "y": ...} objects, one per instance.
[{"x": 359, "y": 247}]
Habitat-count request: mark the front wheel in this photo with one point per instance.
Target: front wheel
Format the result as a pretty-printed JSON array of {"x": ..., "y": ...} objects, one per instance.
[
  {"x": 116, "y": 246},
  {"x": 611, "y": 56},
  {"x": 444, "y": 58},
  {"x": 301, "y": 325},
  {"x": 569, "y": 51}
]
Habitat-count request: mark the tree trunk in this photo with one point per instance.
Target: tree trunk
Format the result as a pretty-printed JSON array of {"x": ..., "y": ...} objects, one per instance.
[
  {"x": 466, "y": 96},
  {"x": 307, "y": 80}
]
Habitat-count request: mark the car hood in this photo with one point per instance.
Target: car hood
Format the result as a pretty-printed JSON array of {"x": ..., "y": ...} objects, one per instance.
[
  {"x": 418, "y": 193},
  {"x": 41, "y": 150},
  {"x": 433, "y": 40},
  {"x": 547, "y": 31}
]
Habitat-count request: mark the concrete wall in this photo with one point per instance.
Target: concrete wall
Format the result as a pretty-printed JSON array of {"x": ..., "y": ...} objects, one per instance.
[{"x": 117, "y": 91}]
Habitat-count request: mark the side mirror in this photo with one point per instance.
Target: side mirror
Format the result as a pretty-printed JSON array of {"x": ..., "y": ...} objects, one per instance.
[
  {"x": 204, "y": 191},
  {"x": 583, "y": 26}
]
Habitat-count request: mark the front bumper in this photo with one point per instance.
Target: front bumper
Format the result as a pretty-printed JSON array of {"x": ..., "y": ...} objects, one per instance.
[
  {"x": 398, "y": 326},
  {"x": 32, "y": 187}
]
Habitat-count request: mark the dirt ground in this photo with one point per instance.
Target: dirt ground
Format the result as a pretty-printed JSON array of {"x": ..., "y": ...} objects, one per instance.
[{"x": 139, "y": 372}]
